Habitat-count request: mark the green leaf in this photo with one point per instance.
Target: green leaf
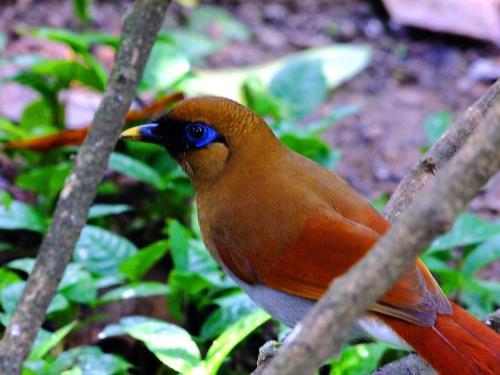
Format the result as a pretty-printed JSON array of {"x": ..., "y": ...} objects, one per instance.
[
  {"x": 192, "y": 44},
  {"x": 19, "y": 215},
  {"x": 81, "y": 8},
  {"x": 165, "y": 67},
  {"x": 484, "y": 254},
  {"x": 67, "y": 71},
  {"x": 232, "y": 307},
  {"x": 7, "y": 278},
  {"x": 194, "y": 268},
  {"x": 206, "y": 18},
  {"x": 38, "y": 118},
  {"x": 22, "y": 264},
  {"x": 301, "y": 86},
  {"x": 171, "y": 344},
  {"x": 435, "y": 125},
  {"x": 137, "y": 265},
  {"x": 231, "y": 337},
  {"x": 467, "y": 230},
  {"x": 90, "y": 360},
  {"x": 340, "y": 63},
  {"x": 101, "y": 252},
  {"x": 4, "y": 246},
  {"x": 39, "y": 351},
  {"x": 480, "y": 296},
  {"x": 47, "y": 180},
  {"x": 120, "y": 329},
  {"x": 313, "y": 148},
  {"x": 358, "y": 359},
  {"x": 11, "y": 294},
  {"x": 9, "y": 131},
  {"x": 100, "y": 210},
  {"x": 135, "y": 169},
  {"x": 338, "y": 114},
  {"x": 258, "y": 98},
  {"x": 79, "y": 42},
  {"x": 135, "y": 290},
  {"x": 34, "y": 367},
  {"x": 77, "y": 285},
  {"x": 179, "y": 237},
  {"x": 380, "y": 202}
]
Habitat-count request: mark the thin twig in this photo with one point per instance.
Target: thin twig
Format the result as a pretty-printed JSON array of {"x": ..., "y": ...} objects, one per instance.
[
  {"x": 141, "y": 26},
  {"x": 324, "y": 329}
]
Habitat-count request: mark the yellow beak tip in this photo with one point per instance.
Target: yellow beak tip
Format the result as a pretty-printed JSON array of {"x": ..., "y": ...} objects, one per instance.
[{"x": 132, "y": 134}]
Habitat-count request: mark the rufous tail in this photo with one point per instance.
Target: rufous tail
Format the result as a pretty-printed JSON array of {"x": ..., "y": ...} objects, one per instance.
[{"x": 458, "y": 344}]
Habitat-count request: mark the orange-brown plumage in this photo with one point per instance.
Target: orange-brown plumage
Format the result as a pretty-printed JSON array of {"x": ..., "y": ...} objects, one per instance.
[{"x": 285, "y": 227}]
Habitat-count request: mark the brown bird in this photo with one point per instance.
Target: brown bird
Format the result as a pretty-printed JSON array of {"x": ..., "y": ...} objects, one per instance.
[{"x": 283, "y": 228}]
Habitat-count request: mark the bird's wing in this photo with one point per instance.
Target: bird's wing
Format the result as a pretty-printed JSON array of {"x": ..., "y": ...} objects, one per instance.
[{"x": 327, "y": 248}]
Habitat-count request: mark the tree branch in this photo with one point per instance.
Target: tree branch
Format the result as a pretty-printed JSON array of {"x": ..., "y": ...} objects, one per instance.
[
  {"x": 141, "y": 26},
  {"x": 412, "y": 364},
  {"x": 493, "y": 321},
  {"x": 321, "y": 334}
]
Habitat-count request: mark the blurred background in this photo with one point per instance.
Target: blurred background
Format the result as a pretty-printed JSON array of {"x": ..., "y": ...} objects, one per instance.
[{"x": 362, "y": 87}]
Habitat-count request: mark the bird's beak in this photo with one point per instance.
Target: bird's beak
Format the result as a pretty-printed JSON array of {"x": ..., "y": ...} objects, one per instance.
[{"x": 143, "y": 133}]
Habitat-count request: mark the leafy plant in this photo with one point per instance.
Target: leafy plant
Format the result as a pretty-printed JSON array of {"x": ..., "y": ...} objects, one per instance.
[{"x": 127, "y": 239}]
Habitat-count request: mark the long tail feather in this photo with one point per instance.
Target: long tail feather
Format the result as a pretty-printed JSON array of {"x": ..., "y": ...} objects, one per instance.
[{"x": 457, "y": 344}]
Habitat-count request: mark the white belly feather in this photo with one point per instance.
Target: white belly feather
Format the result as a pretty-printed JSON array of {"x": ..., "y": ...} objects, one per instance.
[{"x": 290, "y": 309}]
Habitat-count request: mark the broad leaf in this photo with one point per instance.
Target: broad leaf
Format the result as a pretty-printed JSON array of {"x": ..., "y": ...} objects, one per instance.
[
  {"x": 206, "y": 18},
  {"x": 40, "y": 349},
  {"x": 46, "y": 180},
  {"x": 135, "y": 169},
  {"x": 77, "y": 284},
  {"x": 467, "y": 230},
  {"x": 67, "y": 71},
  {"x": 436, "y": 124},
  {"x": 100, "y": 210},
  {"x": 232, "y": 307},
  {"x": 89, "y": 360},
  {"x": 101, "y": 252},
  {"x": 136, "y": 290},
  {"x": 301, "y": 86},
  {"x": 165, "y": 67},
  {"x": 11, "y": 294},
  {"x": 313, "y": 148},
  {"x": 136, "y": 266},
  {"x": 7, "y": 278},
  {"x": 484, "y": 254},
  {"x": 19, "y": 215},
  {"x": 171, "y": 344},
  {"x": 339, "y": 63},
  {"x": 231, "y": 337},
  {"x": 358, "y": 359}
]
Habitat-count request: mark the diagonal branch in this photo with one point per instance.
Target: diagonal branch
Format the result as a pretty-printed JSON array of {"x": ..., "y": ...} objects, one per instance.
[
  {"x": 325, "y": 327},
  {"x": 140, "y": 29}
]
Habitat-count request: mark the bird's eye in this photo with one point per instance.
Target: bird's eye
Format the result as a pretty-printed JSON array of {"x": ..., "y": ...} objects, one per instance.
[
  {"x": 195, "y": 131},
  {"x": 199, "y": 134}
]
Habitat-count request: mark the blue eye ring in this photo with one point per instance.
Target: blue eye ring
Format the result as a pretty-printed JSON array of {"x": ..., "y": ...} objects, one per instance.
[{"x": 199, "y": 134}]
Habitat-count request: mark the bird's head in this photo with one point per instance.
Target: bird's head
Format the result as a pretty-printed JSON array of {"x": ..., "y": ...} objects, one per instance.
[{"x": 202, "y": 134}]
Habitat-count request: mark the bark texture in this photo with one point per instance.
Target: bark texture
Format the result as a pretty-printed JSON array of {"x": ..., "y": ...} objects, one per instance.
[{"x": 141, "y": 26}]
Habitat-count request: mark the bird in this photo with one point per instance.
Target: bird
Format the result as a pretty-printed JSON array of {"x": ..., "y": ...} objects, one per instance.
[{"x": 283, "y": 227}]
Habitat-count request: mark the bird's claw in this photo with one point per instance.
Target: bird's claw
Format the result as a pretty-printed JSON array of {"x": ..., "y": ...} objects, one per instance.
[{"x": 268, "y": 350}]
